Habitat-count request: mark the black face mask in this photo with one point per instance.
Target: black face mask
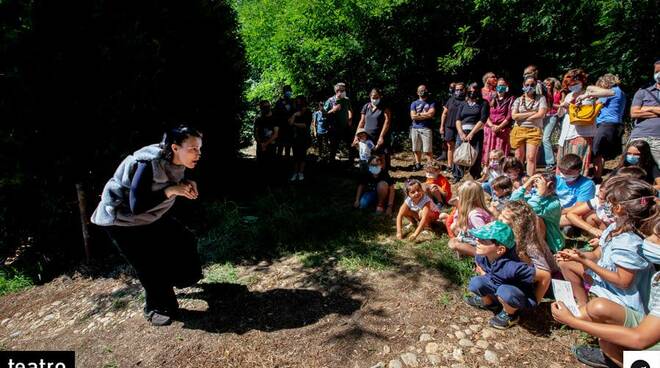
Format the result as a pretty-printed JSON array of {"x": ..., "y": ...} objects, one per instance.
[
  {"x": 459, "y": 95},
  {"x": 424, "y": 94},
  {"x": 473, "y": 95}
]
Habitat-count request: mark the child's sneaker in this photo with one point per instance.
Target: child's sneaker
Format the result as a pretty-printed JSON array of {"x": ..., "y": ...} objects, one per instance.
[
  {"x": 301, "y": 176},
  {"x": 475, "y": 301},
  {"x": 294, "y": 177},
  {"x": 504, "y": 320},
  {"x": 592, "y": 356}
]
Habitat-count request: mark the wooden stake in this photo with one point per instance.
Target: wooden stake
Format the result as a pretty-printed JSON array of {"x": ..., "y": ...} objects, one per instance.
[{"x": 84, "y": 220}]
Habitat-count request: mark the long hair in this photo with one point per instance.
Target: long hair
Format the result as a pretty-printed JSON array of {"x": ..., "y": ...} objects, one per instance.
[
  {"x": 523, "y": 224},
  {"x": 646, "y": 161},
  {"x": 640, "y": 209},
  {"x": 471, "y": 196}
]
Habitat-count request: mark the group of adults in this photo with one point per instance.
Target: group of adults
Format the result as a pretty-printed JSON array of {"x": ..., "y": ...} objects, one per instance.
[{"x": 492, "y": 118}]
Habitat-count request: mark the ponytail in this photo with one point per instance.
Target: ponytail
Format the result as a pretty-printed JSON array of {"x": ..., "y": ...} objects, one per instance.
[{"x": 176, "y": 136}]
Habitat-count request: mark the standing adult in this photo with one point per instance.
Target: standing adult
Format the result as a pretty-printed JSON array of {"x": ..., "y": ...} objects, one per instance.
[
  {"x": 470, "y": 120},
  {"x": 490, "y": 83},
  {"x": 266, "y": 130},
  {"x": 528, "y": 111},
  {"x": 339, "y": 115},
  {"x": 134, "y": 211},
  {"x": 533, "y": 72},
  {"x": 300, "y": 121},
  {"x": 448, "y": 120},
  {"x": 375, "y": 119},
  {"x": 576, "y": 139},
  {"x": 422, "y": 113},
  {"x": 609, "y": 122},
  {"x": 553, "y": 98},
  {"x": 283, "y": 110},
  {"x": 645, "y": 109},
  {"x": 498, "y": 125}
]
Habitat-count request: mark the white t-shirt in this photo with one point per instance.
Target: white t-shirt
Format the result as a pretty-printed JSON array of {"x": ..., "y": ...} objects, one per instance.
[
  {"x": 570, "y": 131},
  {"x": 365, "y": 149}
]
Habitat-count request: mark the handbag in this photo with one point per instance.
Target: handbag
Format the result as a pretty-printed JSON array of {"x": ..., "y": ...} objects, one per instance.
[
  {"x": 580, "y": 114},
  {"x": 465, "y": 155}
]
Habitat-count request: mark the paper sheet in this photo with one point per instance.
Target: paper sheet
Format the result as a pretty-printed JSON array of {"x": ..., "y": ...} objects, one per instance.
[{"x": 564, "y": 293}]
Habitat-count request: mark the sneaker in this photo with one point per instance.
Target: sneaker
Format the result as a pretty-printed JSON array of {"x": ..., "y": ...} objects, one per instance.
[
  {"x": 475, "y": 301},
  {"x": 417, "y": 167},
  {"x": 504, "y": 320},
  {"x": 157, "y": 318},
  {"x": 294, "y": 177},
  {"x": 301, "y": 176},
  {"x": 592, "y": 356}
]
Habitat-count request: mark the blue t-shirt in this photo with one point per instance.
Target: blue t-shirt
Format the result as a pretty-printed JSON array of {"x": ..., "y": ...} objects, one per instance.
[
  {"x": 613, "y": 107},
  {"x": 580, "y": 190},
  {"x": 321, "y": 127},
  {"x": 623, "y": 250},
  {"x": 422, "y": 106}
]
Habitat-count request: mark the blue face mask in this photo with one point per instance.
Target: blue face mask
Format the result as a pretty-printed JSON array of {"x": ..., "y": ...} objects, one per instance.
[
  {"x": 632, "y": 159},
  {"x": 288, "y": 94},
  {"x": 651, "y": 251},
  {"x": 375, "y": 170},
  {"x": 501, "y": 89}
]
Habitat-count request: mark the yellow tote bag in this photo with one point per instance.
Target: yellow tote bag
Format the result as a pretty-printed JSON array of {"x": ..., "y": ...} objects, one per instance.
[{"x": 583, "y": 114}]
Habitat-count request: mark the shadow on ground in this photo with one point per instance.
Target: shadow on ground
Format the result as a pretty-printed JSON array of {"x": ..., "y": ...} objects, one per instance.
[{"x": 233, "y": 308}]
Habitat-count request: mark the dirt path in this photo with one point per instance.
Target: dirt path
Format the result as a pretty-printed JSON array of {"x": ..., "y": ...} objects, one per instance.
[{"x": 283, "y": 314}]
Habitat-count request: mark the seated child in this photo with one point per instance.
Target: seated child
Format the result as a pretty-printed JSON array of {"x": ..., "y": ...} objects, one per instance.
[
  {"x": 375, "y": 187},
  {"x": 365, "y": 145},
  {"x": 437, "y": 186},
  {"x": 417, "y": 208},
  {"x": 470, "y": 213},
  {"x": 615, "y": 269},
  {"x": 531, "y": 247},
  {"x": 493, "y": 170},
  {"x": 514, "y": 169},
  {"x": 502, "y": 187},
  {"x": 572, "y": 187},
  {"x": 505, "y": 284},
  {"x": 619, "y": 328},
  {"x": 539, "y": 192}
]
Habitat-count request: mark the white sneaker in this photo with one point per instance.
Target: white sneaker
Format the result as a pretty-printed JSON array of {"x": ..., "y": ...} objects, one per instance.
[
  {"x": 301, "y": 176},
  {"x": 294, "y": 177}
]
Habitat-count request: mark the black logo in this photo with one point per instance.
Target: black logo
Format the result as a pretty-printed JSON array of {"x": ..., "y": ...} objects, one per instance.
[{"x": 640, "y": 364}]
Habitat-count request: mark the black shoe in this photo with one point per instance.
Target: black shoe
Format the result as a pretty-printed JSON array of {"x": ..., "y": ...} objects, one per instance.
[
  {"x": 592, "y": 356},
  {"x": 504, "y": 320},
  {"x": 158, "y": 318},
  {"x": 417, "y": 167}
]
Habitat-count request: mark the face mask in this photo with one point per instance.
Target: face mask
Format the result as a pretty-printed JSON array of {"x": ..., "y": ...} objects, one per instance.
[
  {"x": 501, "y": 89},
  {"x": 607, "y": 210},
  {"x": 265, "y": 110},
  {"x": 473, "y": 95},
  {"x": 343, "y": 95},
  {"x": 375, "y": 101},
  {"x": 288, "y": 94},
  {"x": 569, "y": 178},
  {"x": 431, "y": 175},
  {"x": 494, "y": 164},
  {"x": 459, "y": 94},
  {"x": 375, "y": 170},
  {"x": 651, "y": 251},
  {"x": 527, "y": 89},
  {"x": 656, "y": 76},
  {"x": 632, "y": 159},
  {"x": 513, "y": 177},
  {"x": 575, "y": 87},
  {"x": 424, "y": 94},
  {"x": 528, "y": 75}
]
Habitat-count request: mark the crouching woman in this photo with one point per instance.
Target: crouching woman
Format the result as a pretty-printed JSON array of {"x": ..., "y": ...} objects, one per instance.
[{"x": 134, "y": 212}]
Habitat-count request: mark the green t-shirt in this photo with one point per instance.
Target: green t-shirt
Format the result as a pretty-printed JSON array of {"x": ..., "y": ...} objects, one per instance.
[{"x": 339, "y": 118}]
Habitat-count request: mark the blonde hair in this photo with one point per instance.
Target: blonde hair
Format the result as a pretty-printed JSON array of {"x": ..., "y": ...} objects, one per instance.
[
  {"x": 523, "y": 224},
  {"x": 499, "y": 154},
  {"x": 471, "y": 196},
  {"x": 608, "y": 81},
  {"x": 556, "y": 84},
  {"x": 486, "y": 76}
]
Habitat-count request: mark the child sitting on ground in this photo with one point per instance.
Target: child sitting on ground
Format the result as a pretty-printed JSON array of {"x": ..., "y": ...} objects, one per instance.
[
  {"x": 531, "y": 247},
  {"x": 619, "y": 328},
  {"x": 513, "y": 168},
  {"x": 572, "y": 187},
  {"x": 437, "y": 186},
  {"x": 375, "y": 187},
  {"x": 615, "y": 268},
  {"x": 471, "y": 213},
  {"x": 418, "y": 208},
  {"x": 539, "y": 192},
  {"x": 505, "y": 284},
  {"x": 365, "y": 145},
  {"x": 502, "y": 188},
  {"x": 492, "y": 171}
]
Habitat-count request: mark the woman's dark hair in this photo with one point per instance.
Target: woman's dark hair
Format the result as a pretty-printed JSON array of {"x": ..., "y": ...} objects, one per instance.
[
  {"x": 177, "y": 136},
  {"x": 638, "y": 199},
  {"x": 646, "y": 161},
  {"x": 512, "y": 163},
  {"x": 473, "y": 89}
]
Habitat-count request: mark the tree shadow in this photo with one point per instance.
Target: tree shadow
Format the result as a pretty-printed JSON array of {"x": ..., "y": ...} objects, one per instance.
[
  {"x": 233, "y": 308},
  {"x": 538, "y": 321}
]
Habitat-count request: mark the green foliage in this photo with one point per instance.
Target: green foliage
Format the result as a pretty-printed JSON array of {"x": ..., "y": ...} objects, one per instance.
[{"x": 13, "y": 282}]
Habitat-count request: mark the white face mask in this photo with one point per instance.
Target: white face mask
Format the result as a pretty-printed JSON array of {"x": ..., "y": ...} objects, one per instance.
[
  {"x": 342, "y": 95},
  {"x": 651, "y": 251},
  {"x": 375, "y": 170},
  {"x": 575, "y": 87},
  {"x": 431, "y": 175},
  {"x": 375, "y": 101},
  {"x": 569, "y": 178}
]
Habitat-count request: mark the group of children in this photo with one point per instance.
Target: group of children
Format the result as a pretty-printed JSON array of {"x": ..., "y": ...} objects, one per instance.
[{"x": 515, "y": 228}]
